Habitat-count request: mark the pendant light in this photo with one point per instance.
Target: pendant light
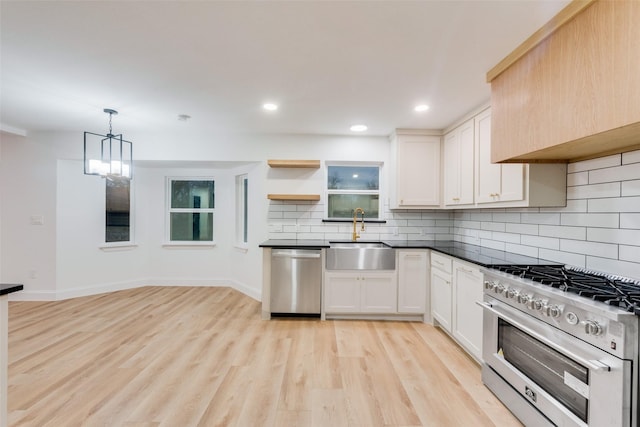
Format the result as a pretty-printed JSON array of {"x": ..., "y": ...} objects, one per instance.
[{"x": 108, "y": 155}]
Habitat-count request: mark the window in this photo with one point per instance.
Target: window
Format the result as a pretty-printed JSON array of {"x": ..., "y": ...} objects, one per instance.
[
  {"x": 242, "y": 209},
  {"x": 117, "y": 210},
  {"x": 191, "y": 208},
  {"x": 351, "y": 187}
]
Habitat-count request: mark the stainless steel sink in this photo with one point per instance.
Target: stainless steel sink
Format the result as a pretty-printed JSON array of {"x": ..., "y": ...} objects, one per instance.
[
  {"x": 360, "y": 256},
  {"x": 357, "y": 245}
]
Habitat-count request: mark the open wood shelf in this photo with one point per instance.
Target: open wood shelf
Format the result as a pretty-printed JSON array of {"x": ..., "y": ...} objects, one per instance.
[
  {"x": 314, "y": 164},
  {"x": 312, "y": 197}
]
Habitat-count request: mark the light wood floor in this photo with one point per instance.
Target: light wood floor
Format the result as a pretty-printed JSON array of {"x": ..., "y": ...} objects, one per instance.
[{"x": 160, "y": 356}]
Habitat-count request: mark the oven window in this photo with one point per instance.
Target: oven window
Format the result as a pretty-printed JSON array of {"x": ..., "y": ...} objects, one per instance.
[{"x": 548, "y": 368}]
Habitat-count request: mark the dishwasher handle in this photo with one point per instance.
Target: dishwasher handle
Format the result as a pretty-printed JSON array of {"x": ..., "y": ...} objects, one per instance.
[{"x": 294, "y": 254}]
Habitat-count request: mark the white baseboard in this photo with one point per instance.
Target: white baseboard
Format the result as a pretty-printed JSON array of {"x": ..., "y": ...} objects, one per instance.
[{"x": 57, "y": 295}]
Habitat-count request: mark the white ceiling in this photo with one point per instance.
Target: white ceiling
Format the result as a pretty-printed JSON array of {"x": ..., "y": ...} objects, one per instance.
[{"x": 329, "y": 64}]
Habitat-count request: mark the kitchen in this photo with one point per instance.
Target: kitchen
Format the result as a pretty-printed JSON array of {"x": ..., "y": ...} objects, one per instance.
[{"x": 42, "y": 248}]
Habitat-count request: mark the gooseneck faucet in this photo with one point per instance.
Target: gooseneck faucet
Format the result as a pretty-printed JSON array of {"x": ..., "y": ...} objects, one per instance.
[{"x": 355, "y": 234}]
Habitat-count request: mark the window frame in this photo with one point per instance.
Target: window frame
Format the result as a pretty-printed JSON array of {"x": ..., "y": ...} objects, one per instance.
[
  {"x": 377, "y": 192},
  {"x": 124, "y": 243},
  {"x": 242, "y": 210},
  {"x": 169, "y": 210}
]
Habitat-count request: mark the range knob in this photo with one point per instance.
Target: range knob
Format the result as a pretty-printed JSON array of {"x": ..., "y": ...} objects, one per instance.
[
  {"x": 512, "y": 293},
  {"x": 591, "y": 327},
  {"x": 551, "y": 310},
  {"x": 536, "y": 304},
  {"x": 524, "y": 299},
  {"x": 498, "y": 289},
  {"x": 487, "y": 285}
]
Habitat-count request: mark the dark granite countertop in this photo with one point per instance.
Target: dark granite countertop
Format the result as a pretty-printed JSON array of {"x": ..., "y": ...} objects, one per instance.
[
  {"x": 7, "y": 288},
  {"x": 485, "y": 257},
  {"x": 295, "y": 244}
]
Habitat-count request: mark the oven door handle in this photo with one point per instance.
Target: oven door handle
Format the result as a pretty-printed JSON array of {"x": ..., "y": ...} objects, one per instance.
[{"x": 594, "y": 365}]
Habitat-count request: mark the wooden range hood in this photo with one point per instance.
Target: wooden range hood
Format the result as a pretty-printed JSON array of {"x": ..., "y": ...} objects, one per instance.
[{"x": 572, "y": 90}]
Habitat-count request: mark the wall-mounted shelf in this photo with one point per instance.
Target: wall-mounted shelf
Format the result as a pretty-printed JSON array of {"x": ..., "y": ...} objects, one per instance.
[
  {"x": 312, "y": 197},
  {"x": 313, "y": 164}
]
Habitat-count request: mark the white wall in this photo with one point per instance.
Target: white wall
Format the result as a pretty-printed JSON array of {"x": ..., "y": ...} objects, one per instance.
[
  {"x": 28, "y": 188},
  {"x": 43, "y": 176}
]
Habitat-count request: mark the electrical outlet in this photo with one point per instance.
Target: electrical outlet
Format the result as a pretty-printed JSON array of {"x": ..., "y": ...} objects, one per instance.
[{"x": 396, "y": 231}]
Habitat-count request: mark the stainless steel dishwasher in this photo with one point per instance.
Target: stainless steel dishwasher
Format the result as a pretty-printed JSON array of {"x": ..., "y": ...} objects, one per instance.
[{"x": 296, "y": 281}]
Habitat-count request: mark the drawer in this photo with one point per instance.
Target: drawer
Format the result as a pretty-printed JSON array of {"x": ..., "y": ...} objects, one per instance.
[{"x": 441, "y": 262}]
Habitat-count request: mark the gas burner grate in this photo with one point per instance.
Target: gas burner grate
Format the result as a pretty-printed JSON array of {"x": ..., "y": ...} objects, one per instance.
[{"x": 612, "y": 290}]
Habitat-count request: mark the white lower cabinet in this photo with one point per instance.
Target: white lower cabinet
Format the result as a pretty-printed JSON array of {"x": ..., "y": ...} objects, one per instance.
[
  {"x": 456, "y": 285},
  {"x": 413, "y": 281},
  {"x": 441, "y": 301},
  {"x": 467, "y": 315},
  {"x": 360, "y": 292}
]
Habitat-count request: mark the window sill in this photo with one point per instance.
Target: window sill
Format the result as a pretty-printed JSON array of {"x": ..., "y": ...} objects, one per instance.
[
  {"x": 187, "y": 245},
  {"x": 241, "y": 247},
  {"x": 116, "y": 247}
]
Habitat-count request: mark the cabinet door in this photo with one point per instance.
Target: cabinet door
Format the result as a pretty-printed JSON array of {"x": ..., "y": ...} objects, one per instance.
[
  {"x": 378, "y": 293},
  {"x": 467, "y": 322},
  {"x": 459, "y": 165},
  {"x": 412, "y": 281},
  {"x": 441, "y": 298},
  {"x": 341, "y": 293},
  {"x": 418, "y": 171},
  {"x": 451, "y": 166},
  {"x": 494, "y": 182}
]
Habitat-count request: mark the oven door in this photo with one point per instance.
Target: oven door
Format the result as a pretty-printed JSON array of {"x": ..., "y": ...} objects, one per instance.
[{"x": 570, "y": 382}]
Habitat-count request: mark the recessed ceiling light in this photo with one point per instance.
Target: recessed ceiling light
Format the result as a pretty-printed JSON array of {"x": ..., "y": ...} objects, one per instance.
[
  {"x": 269, "y": 106},
  {"x": 355, "y": 175},
  {"x": 420, "y": 108},
  {"x": 358, "y": 128}
]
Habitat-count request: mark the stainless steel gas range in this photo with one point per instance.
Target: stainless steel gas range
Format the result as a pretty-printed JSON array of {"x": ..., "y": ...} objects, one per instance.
[{"x": 560, "y": 345}]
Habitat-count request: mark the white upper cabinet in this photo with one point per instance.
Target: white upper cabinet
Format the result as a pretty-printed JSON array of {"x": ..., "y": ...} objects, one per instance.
[
  {"x": 459, "y": 165},
  {"x": 415, "y": 175},
  {"x": 495, "y": 182},
  {"x": 514, "y": 184}
]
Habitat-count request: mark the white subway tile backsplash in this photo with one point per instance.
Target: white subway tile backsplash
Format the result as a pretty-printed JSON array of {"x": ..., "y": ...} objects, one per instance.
[
  {"x": 576, "y": 260},
  {"x": 492, "y": 244},
  {"x": 540, "y": 242},
  {"x": 630, "y": 253},
  {"x": 590, "y": 220},
  {"x": 469, "y": 224},
  {"x": 493, "y": 226},
  {"x": 548, "y": 218},
  {"x": 579, "y": 178},
  {"x": 506, "y": 217},
  {"x": 620, "y": 173},
  {"x": 631, "y": 157},
  {"x": 564, "y": 232},
  {"x": 522, "y": 228},
  {"x": 603, "y": 250},
  {"x": 488, "y": 235},
  {"x": 407, "y": 215},
  {"x": 631, "y": 188},
  {"x": 480, "y": 216},
  {"x": 522, "y": 250},
  {"x": 614, "y": 235},
  {"x": 630, "y": 220},
  {"x": 599, "y": 163},
  {"x": 622, "y": 204},
  {"x": 506, "y": 237},
  {"x": 609, "y": 189}
]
